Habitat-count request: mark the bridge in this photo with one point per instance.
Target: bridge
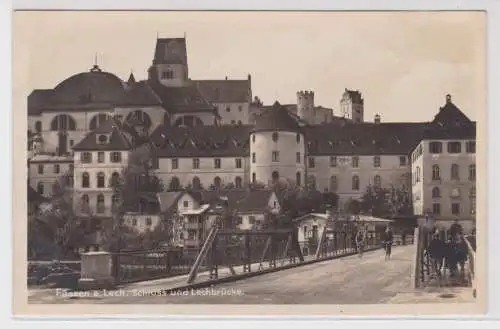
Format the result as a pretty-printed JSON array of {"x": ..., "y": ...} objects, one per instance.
[{"x": 334, "y": 274}]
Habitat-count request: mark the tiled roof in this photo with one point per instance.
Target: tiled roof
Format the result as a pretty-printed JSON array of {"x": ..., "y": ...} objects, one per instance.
[
  {"x": 256, "y": 200},
  {"x": 181, "y": 99},
  {"x": 450, "y": 115},
  {"x": 122, "y": 138},
  {"x": 225, "y": 91},
  {"x": 139, "y": 94},
  {"x": 241, "y": 200},
  {"x": 460, "y": 131},
  {"x": 170, "y": 51},
  {"x": 38, "y": 99},
  {"x": 201, "y": 141},
  {"x": 355, "y": 96},
  {"x": 276, "y": 118},
  {"x": 168, "y": 200}
]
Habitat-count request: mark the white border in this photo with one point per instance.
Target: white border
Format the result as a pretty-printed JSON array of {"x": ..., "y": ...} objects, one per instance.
[{"x": 493, "y": 8}]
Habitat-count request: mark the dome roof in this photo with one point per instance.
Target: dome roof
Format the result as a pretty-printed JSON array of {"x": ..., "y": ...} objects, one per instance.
[
  {"x": 276, "y": 118},
  {"x": 95, "y": 86}
]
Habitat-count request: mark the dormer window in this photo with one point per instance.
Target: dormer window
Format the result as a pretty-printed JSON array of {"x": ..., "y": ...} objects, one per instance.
[{"x": 102, "y": 139}]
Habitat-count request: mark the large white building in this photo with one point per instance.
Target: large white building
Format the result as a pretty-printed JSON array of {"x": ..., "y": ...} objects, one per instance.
[{"x": 210, "y": 133}]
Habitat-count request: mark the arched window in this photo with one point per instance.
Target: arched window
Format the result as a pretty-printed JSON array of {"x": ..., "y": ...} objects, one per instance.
[
  {"x": 100, "y": 206},
  {"x": 377, "y": 181},
  {"x": 196, "y": 183},
  {"x": 85, "y": 204},
  {"x": 436, "y": 173},
  {"x": 188, "y": 121},
  {"x": 275, "y": 176},
  {"x": 63, "y": 122},
  {"x": 436, "y": 193},
  {"x": 298, "y": 179},
  {"x": 472, "y": 172},
  {"x": 254, "y": 178},
  {"x": 115, "y": 179},
  {"x": 115, "y": 202},
  {"x": 174, "y": 184},
  {"x": 101, "y": 180},
  {"x": 38, "y": 126},
  {"x": 455, "y": 172},
  {"x": 355, "y": 183},
  {"x": 138, "y": 118},
  {"x": 39, "y": 188},
  {"x": 238, "y": 182},
  {"x": 85, "y": 180},
  {"x": 98, "y": 120},
  {"x": 333, "y": 183},
  {"x": 217, "y": 182}
]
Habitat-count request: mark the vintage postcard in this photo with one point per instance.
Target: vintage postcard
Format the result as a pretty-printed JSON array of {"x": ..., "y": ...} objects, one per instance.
[{"x": 249, "y": 163}]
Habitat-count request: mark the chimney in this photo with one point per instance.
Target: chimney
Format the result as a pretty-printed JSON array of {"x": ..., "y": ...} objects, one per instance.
[
  {"x": 448, "y": 98},
  {"x": 377, "y": 118},
  {"x": 249, "y": 77},
  {"x": 226, "y": 77}
]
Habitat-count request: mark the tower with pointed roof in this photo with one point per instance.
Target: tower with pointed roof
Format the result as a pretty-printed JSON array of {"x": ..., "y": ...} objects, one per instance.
[
  {"x": 277, "y": 148},
  {"x": 352, "y": 105},
  {"x": 170, "y": 66}
]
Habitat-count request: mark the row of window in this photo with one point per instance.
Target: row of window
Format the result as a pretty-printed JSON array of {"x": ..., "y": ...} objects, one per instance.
[
  {"x": 240, "y": 109},
  {"x": 100, "y": 203},
  {"x": 149, "y": 221},
  {"x": 196, "y": 183},
  {"x": 56, "y": 169},
  {"x": 114, "y": 157},
  {"x": 455, "y": 208},
  {"x": 436, "y": 192},
  {"x": 454, "y": 147},
  {"x": 196, "y": 163},
  {"x": 454, "y": 173},
  {"x": 101, "y": 180},
  {"x": 275, "y": 137}
]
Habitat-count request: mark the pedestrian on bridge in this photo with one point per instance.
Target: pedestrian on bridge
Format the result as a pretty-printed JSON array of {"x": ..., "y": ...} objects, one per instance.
[
  {"x": 360, "y": 242},
  {"x": 388, "y": 241}
]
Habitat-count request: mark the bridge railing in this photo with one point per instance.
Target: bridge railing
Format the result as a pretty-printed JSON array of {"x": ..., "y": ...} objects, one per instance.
[{"x": 471, "y": 265}]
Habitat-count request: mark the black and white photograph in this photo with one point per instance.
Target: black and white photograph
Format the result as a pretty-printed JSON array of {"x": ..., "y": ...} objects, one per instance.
[{"x": 246, "y": 158}]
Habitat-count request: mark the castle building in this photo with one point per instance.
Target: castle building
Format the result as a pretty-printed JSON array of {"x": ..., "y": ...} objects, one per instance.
[{"x": 213, "y": 133}]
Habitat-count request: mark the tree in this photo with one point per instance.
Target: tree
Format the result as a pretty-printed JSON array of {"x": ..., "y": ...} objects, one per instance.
[
  {"x": 136, "y": 181},
  {"x": 391, "y": 201}
]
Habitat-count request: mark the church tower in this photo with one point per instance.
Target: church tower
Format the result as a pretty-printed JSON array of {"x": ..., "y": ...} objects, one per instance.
[
  {"x": 352, "y": 106},
  {"x": 305, "y": 106},
  {"x": 170, "y": 65}
]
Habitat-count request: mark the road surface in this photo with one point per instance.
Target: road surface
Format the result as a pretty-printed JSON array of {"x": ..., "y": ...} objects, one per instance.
[{"x": 349, "y": 280}]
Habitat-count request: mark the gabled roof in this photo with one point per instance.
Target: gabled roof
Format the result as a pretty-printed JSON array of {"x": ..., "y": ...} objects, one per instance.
[
  {"x": 121, "y": 138},
  {"x": 181, "y": 99},
  {"x": 255, "y": 201},
  {"x": 449, "y": 115},
  {"x": 168, "y": 200},
  {"x": 225, "y": 91},
  {"x": 276, "y": 119},
  {"x": 201, "y": 141},
  {"x": 170, "y": 51},
  {"x": 139, "y": 94},
  {"x": 239, "y": 200}
]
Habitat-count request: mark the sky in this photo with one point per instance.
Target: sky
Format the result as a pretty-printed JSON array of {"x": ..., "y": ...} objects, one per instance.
[{"x": 404, "y": 63}]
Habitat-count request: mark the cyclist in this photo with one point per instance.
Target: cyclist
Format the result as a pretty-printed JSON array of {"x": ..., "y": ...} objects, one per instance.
[
  {"x": 388, "y": 240},
  {"x": 360, "y": 242}
]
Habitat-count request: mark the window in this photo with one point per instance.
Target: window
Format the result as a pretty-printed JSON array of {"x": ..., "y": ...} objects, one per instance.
[
  {"x": 115, "y": 179},
  {"x": 455, "y": 208},
  {"x": 297, "y": 157},
  {"x": 253, "y": 138},
  {"x": 251, "y": 220},
  {"x": 233, "y": 122},
  {"x": 298, "y": 138},
  {"x": 240, "y": 108},
  {"x": 355, "y": 162},
  {"x": 276, "y": 156},
  {"x": 333, "y": 183},
  {"x": 134, "y": 221},
  {"x": 436, "y": 193},
  {"x": 86, "y": 157},
  {"x": 455, "y": 172},
  {"x": 254, "y": 178},
  {"x": 454, "y": 147},
  {"x": 417, "y": 177},
  {"x": 39, "y": 188},
  {"x": 377, "y": 181},
  {"x": 100, "y": 204},
  {"x": 435, "y": 173},
  {"x": 472, "y": 197},
  {"x": 253, "y": 157},
  {"x": 355, "y": 183},
  {"x": 240, "y": 123},
  {"x": 402, "y": 161},
  {"x": 100, "y": 157},
  {"x": 115, "y": 157},
  {"x": 63, "y": 122},
  {"x": 38, "y": 126},
  {"x": 472, "y": 172},
  {"x": 311, "y": 162},
  {"x": 228, "y": 109},
  {"x": 149, "y": 222},
  {"x": 175, "y": 164},
  {"x": 238, "y": 182},
  {"x": 85, "y": 180},
  {"x": 275, "y": 176},
  {"x": 238, "y": 163},
  {"x": 217, "y": 182},
  {"x": 376, "y": 161},
  {"x": 217, "y": 163},
  {"x": 196, "y": 163},
  {"x": 115, "y": 201},
  {"x": 435, "y": 147},
  {"x": 436, "y": 208},
  {"x": 470, "y": 147},
  {"x": 40, "y": 169},
  {"x": 275, "y": 137},
  {"x": 311, "y": 182},
  {"x": 333, "y": 161},
  {"x": 85, "y": 204},
  {"x": 57, "y": 168},
  {"x": 100, "y": 180},
  {"x": 155, "y": 162}
]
